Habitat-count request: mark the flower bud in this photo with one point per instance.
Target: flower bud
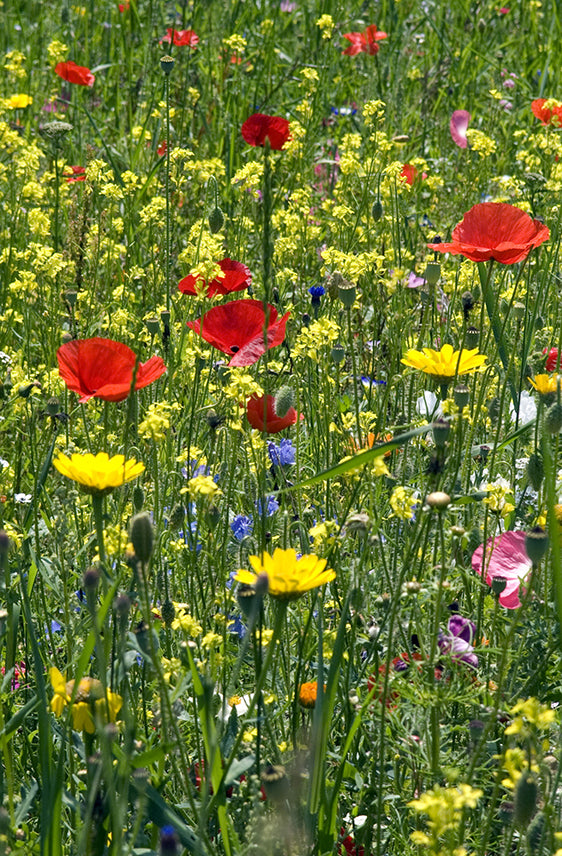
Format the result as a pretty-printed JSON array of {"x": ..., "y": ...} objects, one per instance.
[
  {"x": 142, "y": 536},
  {"x": 284, "y": 400},
  {"x": 91, "y": 580},
  {"x": 467, "y": 300},
  {"x": 167, "y": 64},
  {"x": 472, "y": 338},
  {"x": 553, "y": 418},
  {"x": 432, "y": 273},
  {"x": 168, "y": 612},
  {"x": 138, "y": 498},
  {"x": 525, "y": 798},
  {"x": 216, "y": 220},
  {"x": 461, "y": 395},
  {"x": 438, "y": 499},
  {"x": 535, "y": 470},
  {"x": 377, "y": 210},
  {"x": 338, "y": 353},
  {"x": 441, "y": 430}
]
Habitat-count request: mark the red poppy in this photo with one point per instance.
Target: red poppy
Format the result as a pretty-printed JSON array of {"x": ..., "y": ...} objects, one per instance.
[
  {"x": 365, "y": 42},
  {"x": 273, "y": 423},
  {"x": 75, "y": 73},
  {"x": 124, "y": 7},
  {"x": 551, "y": 115},
  {"x": 495, "y": 230},
  {"x": 102, "y": 368},
  {"x": 259, "y": 127},
  {"x": 410, "y": 173},
  {"x": 348, "y": 844},
  {"x": 553, "y": 363},
  {"x": 236, "y": 277},
  {"x": 162, "y": 149},
  {"x": 78, "y": 174},
  {"x": 181, "y": 38},
  {"x": 237, "y": 328}
]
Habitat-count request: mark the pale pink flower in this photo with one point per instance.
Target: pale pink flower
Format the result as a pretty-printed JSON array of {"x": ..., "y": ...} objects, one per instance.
[{"x": 458, "y": 127}]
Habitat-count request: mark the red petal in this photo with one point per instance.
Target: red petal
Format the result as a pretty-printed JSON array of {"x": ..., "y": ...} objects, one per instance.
[
  {"x": 273, "y": 423},
  {"x": 73, "y": 73},
  {"x": 257, "y": 128}
]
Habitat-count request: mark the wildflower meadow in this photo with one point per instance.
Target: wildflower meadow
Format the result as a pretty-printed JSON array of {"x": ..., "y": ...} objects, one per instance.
[{"x": 280, "y": 428}]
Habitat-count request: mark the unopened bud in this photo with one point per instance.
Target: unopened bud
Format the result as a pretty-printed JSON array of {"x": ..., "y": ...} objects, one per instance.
[
  {"x": 377, "y": 210},
  {"x": 142, "y": 536},
  {"x": 438, "y": 499},
  {"x": 535, "y": 470},
  {"x": 553, "y": 418},
  {"x": 216, "y": 220},
  {"x": 432, "y": 273},
  {"x": 284, "y": 400},
  {"x": 472, "y": 338},
  {"x": 525, "y": 798}
]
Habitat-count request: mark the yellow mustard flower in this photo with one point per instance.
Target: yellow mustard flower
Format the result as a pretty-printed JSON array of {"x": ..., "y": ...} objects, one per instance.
[
  {"x": 90, "y": 703},
  {"x": 289, "y": 577},
  {"x": 445, "y": 364},
  {"x": 98, "y": 474}
]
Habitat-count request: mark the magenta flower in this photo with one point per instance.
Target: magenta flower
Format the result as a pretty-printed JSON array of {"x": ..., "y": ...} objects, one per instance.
[
  {"x": 457, "y": 642},
  {"x": 505, "y": 559},
  {"x": 458, "y": 127}
]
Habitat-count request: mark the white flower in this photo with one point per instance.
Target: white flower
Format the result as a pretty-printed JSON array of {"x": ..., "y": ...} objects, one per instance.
[
  {"x": 527, "y": 409},
  {"x": 428, "y": 405},
  {"x": 23, "y": 498}
]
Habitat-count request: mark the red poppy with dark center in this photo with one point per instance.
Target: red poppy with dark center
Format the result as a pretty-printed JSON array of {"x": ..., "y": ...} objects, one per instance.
[
  {"x": 181, "y": 38},
  {"x": 236, "y": 277},
  {"x": 102, "y": 368},
  {"x": 549, "y": 115},
  {"x": 78, "y": 174},
  {"x": 495, "y": 230},
  {"x": 73, "y": 73},
  {"x": 237, "y": 329},
  {"x": 273, "y": 423},
  {"x": 259, "y": 127},
  {"x": 365, "y": 42}
]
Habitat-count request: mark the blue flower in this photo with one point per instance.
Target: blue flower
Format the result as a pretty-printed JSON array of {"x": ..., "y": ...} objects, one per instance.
[
  {"x": 241, "y": 526},
  {"x": 236, "y": 626},
  {"x": 271, "y": 506},
  {"x": 282, "y": 455}
]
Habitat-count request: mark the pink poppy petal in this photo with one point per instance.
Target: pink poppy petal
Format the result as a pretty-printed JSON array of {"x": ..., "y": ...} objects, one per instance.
[{"x": 458, "y": 127}]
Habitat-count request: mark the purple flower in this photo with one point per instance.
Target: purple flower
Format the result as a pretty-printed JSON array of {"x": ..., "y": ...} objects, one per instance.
[
  {"x": 282, "y": 455},
  {"x": 458, "y": 640},
  {"x": 414, "y": 281}
]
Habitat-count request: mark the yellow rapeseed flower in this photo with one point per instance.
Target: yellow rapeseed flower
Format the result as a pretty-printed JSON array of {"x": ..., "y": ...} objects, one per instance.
[
  {"x": 288, "y": 577},
  {"x": 445, "y": 364},
  {"x": 98, "y": 474}
]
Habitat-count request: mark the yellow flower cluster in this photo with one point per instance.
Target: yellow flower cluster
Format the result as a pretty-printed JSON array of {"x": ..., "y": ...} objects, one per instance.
[
  {"x": 480, "y": 142},
  {"x": 444, "y": 808},
  {"x": 156, "y": 423},
  {"x": 403, "y": 502},
  {"x": 326, "y": 25},
  {"x": 202, "y": 487},
  {"x": 320, "y": 334}
]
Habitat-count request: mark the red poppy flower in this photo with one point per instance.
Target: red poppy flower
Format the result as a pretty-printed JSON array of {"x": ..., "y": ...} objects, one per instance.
[
  {"x": 236, "y": 277},
  {"x": 236, "y": 329},
  {"x": 553, "y": 363},
  {"x": 124, "y": 7},
  {"x": 410, "y": 173},
  {"x": 347, "y": 845},
  {"x": 73, "y": 73},
  {"x": 259, "y": 127},
  {"x": 495, "y": 230},
  {"x": 181, "y": 38},
  {"x": 550, "y": 115},
  {"x": 78, "y": 174},
  {"x": 273, "y": 423},
  {"x": 365, "y": 42},
  {"x": 102, "y": 368}
]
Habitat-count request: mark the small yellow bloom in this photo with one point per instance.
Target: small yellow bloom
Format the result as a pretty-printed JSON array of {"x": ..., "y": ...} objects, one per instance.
[
  {"x": 289, "y": 577},
  {"x": 204, "y": 486},
  {"x": 98, "y": 474},
  {"x": 18, "y": 102},
  {"x": 445, "y": 364},
  {"x": 90, "y": 701},
  {"x": 545, "y": 384}
]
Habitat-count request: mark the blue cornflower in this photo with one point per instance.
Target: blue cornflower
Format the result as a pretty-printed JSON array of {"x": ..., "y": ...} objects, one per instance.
[
  {"x": 282, "y": 455},
  {"x": 241, "y": 526},
  {"x": 270, "y": 508}
]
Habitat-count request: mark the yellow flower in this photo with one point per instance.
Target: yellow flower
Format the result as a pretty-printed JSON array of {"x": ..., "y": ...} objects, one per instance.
[
  {"x": 545, "y": 384},
  {"x": 90, "y": 702},
  {"x": 445, "y": 364},
  {"x": 18, "y": 102},
  {"x": 288, "y": 576},
  {"x": 98, "y": 473}
]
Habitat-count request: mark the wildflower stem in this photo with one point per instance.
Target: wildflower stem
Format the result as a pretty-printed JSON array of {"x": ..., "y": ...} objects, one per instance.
[{"x": 485, "y": 274}]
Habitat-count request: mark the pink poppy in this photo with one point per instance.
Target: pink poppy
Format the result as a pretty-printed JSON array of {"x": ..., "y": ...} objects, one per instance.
[
  {"x": 458, "y": 127},
  {"x": 506, "y": 559}
]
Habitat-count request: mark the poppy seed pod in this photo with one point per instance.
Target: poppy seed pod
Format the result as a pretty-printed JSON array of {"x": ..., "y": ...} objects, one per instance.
[
  {"x": 438, "y": 499},
  {"x": 536, "y": 544},
  {"x": 347, "y": 293},
  {"x": 553, "y": 419},
  {"x": 472, "y": 338},
  {"x": 142, "y": 536},
  {"x": 275, "y": 783},
  {"x": 167, "y": 64},
  {"x": 535, "y": 470},
  {"x": 338, "y": 353},
  {"x": 461, "y": 395}
]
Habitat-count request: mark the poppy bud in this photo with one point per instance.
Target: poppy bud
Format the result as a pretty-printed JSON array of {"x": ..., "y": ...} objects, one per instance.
[
  {"x": 377, "y": 210},
  {"x": 536, "y": 544},
  {"x": 91, "y": 580},
  {"x": 467, "y": 301},
  {"x": 494, "y": 409},
  {"x": 138, "y": 498},
  {"x": 535, "y": 470},
  {"x": 284, "y": 400},
  {"x": 553, "y": 418},
  {"x": 536, "y": 835},
  {"x": 70, "y": 296},
  {"x": 167, "y": 64},
  {"x": 525, "y": 798},
  {"x": 122, "y": 605},
  {"x": 141, "y": 536},
  {"x": 472, "y": 338},
  {"x": 475, "y": 729},
  {"x": 432, "y": 273},
  {"x": 216, "y": 220},
  {"x": 539, "y": 322},
  {"x": 347, "y": 293},
  {"x": 168, "y": 612},
  {"x": 519, "y": 311}
]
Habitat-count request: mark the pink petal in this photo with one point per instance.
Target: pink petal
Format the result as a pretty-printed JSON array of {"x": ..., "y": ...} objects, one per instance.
[
  {"x": 458, "y": 127},
  {"x": 505, "y": 557}
]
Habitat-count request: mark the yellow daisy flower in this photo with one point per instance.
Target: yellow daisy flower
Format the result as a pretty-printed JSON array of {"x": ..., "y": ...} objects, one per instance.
[
  {"x": 98, "y": 474},
  {"x": 289, "y": 577},
  {"x": 445, "y": 364},
  {"x": 545, "y": 384},
  {"x": 89, "y": 704}
]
